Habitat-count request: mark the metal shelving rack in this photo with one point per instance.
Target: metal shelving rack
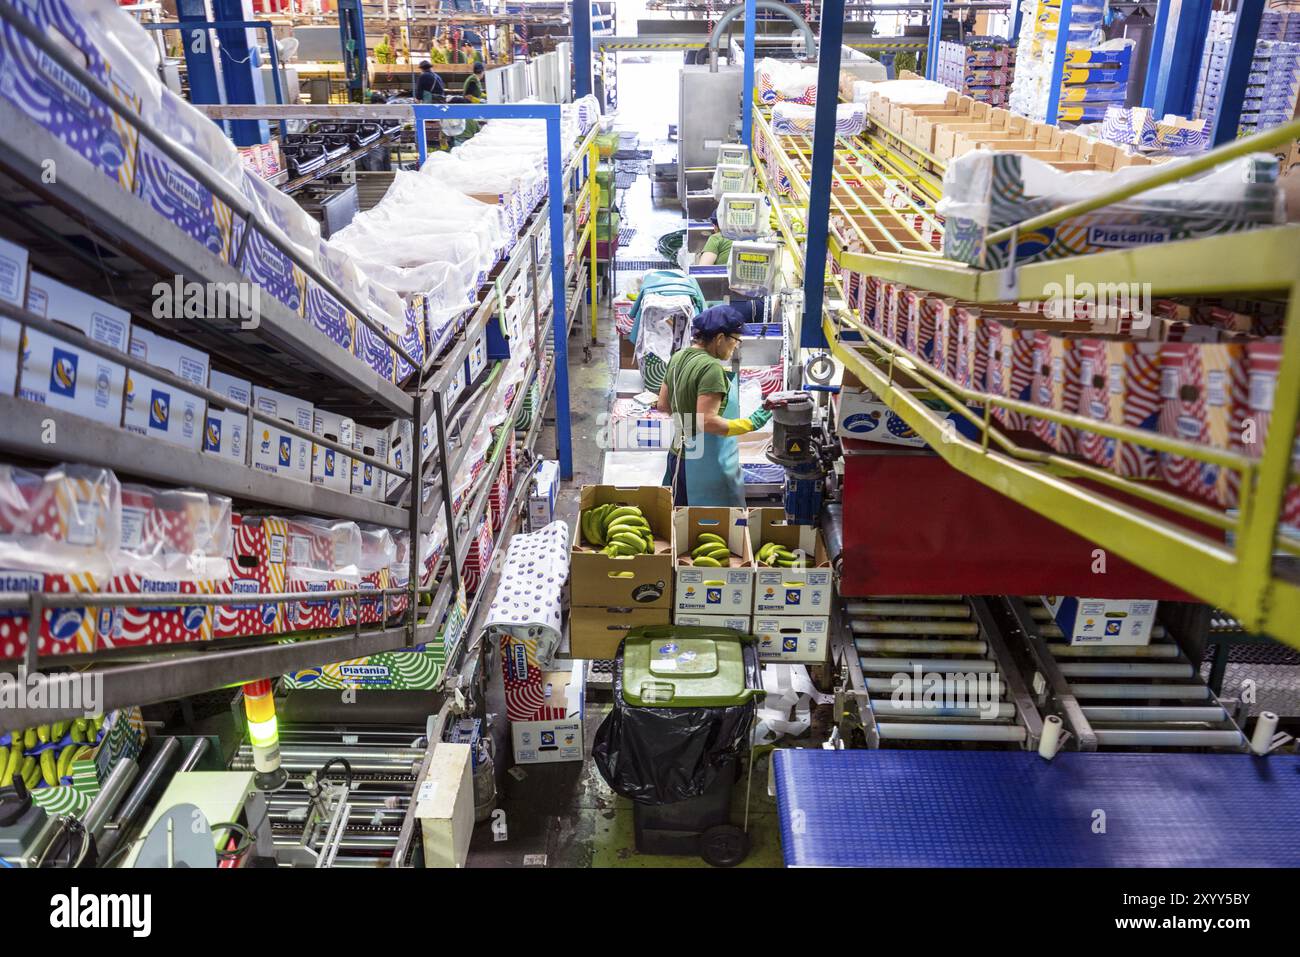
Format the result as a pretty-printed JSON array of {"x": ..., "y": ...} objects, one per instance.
[
  {"x": 134, "y": 247},
  {"x": 1255, "y": 579}
]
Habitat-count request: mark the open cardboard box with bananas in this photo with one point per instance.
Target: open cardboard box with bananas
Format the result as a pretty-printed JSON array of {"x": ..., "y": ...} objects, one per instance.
[
  {"x": 792, "y": 569},
  {"x": 76, "y": 758},
  {"x": 604, "y": 564},
  {"x": 714, "y": 562}
]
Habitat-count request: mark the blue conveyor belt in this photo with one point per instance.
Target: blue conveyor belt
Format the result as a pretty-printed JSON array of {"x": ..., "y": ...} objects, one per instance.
[{"x": 1013, "y": 809}]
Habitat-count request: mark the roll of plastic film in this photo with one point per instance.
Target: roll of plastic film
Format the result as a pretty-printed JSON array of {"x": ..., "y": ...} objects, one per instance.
[
  {"x": 1265, "y": 728},
  {"x": 1051, "y": 739}
]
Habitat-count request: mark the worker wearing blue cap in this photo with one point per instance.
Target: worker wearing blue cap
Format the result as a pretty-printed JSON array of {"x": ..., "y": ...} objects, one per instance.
[{"x": 704, "y": 401}]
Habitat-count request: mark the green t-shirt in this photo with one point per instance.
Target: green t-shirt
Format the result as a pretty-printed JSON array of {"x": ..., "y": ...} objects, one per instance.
[
  {"x": 691, "y": 373},
  {"x": 473, "y": 89},
  {"x": 717, "y": 243}
]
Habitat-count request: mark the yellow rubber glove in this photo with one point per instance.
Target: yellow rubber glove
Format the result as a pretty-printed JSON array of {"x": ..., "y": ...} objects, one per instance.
[{"x": 739, "y": 427}]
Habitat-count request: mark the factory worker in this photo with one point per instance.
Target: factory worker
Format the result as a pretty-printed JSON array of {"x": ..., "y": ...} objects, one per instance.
[
  {"x": 717, "y": 249},
  {"x": 429, "y": 88},
  {"x": 473, "y": 90},
  {"x": 704, "y": 398}
]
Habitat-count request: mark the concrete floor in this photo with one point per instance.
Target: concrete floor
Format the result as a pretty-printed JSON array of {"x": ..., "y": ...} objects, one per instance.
[{"x": 564, "y": 815}]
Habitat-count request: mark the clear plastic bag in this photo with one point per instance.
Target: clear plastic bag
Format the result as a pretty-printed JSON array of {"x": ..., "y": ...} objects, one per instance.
[{"x": 67, "y": 520}]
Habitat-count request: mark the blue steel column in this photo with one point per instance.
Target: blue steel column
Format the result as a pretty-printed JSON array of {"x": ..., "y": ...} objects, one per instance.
[
  {"x": 1017, "y": 14},
  {"x": 1244, "y": 34},
  {"x": 559, "y": 317},
  {"x": 1155, "y": 60},
  {"x": 550, "y": 112},
  {"x": 932, "y": 44},
  {"x": 823, "y": 163},
  {"x": 1058, "y": 63},
  {"x": 200, "y": 61},
  {"x": 581, "y": 48},
  {"x": 1179, "y": 65},
  {"x": 241, "y": 79},
  {"x": 747, "y": 90}
]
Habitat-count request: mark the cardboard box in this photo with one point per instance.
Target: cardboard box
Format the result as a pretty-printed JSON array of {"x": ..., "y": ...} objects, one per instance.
[
  {"x": 596, "y": 632},
  {"x": 1103, "y": 621},
  {"x": 1202, "y": 401},
  {"x": 444, "y": 805},
  {"x": 788, "y": 638},
  {"x": 790, "y": 591},
  {"x": 259, "y": 550},
  {"x": 643, "y": 581},
  {"x": 275, "y": 450},
  {"x": 738, "y": 622},
  {"x": 476, "y": 358},
  {"x": 555, "y": 733},
  {"x": 712, "y": 591},
  {"x": 226, "y": 432},
  {"x": 13, "y": 290},
  {"x": 155, "y": 408},
  {"x": 330, "y": 468},
  {"x": 57, "y": 373},
  {"x": 368, "y": 481},
  {"x": 863, "y": 416}
]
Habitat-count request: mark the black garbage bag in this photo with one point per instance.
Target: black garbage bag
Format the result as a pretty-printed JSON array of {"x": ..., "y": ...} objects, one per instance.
[{"x": 666, "y": 755}]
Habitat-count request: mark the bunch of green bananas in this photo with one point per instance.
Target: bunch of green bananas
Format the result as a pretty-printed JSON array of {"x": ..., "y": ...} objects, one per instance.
[
  {"x": 711, "y": 552},
  {"x": 774, "y": 555},
  {"x": 620, "y": 531},
  {"x": 52, "y": 763}
]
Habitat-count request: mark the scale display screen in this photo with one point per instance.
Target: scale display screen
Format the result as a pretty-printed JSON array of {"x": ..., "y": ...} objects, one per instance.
[{"x": 752, "y": 270}]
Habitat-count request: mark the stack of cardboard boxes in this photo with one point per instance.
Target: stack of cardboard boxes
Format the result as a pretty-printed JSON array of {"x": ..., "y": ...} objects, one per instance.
[
  {"x": 1273, "y": 86},
  {"x": 979, "y": 67},
  {"x": 609, "y": 596}
]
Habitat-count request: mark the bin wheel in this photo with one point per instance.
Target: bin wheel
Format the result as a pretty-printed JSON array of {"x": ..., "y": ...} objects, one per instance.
[{"x": 724, "y": 845}]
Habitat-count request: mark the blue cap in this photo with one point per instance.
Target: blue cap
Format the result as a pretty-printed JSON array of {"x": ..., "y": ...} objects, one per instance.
[{"x": 720, "y": 318}]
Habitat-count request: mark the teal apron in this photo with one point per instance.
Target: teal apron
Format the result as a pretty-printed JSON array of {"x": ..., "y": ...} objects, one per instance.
[{"x": 712, "y": 466}]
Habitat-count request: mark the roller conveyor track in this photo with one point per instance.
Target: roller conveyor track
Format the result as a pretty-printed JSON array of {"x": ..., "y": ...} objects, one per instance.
[
  {"x": 888, "y": 641},
  {"x": 383, "y": 760},
  {"x": 1114, "y": 696}
]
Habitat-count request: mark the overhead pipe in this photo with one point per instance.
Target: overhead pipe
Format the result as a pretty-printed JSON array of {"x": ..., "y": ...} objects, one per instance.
[{"x": 810, "y": 41}]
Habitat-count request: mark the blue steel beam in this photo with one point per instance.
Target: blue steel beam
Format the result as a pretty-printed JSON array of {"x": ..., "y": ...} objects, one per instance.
[
  {"x": 1155, "y": 61},
  {"x": 264, "y": 25},
  {"x": 1244, "y": 34},
  {"x": 1177, "y": 61},
  {"x": 823, "y": 163},
  {"x": 1058, "y": 63},
  {"x": 550, "y": 113},
  {"x": 747, "y": 106},
  {"x": 1017, "y": 14},
  {"x": 581, "y": 48},
  {"x": 932, "y": 44},
  {"x": 240, "y": 77}
]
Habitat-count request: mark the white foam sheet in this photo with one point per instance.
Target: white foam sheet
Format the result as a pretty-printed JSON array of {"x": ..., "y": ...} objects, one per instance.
[{"x": 635, "y": 467}]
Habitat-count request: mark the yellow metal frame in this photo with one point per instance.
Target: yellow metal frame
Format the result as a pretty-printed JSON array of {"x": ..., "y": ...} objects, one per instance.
[{"x": 1242, "y": 578}]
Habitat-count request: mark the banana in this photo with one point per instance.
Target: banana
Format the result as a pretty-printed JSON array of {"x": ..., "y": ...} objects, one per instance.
[
  {"x": 623, "y": 525},
  {"x": 59, "y": 729},
  {"x": 12, "y": 761},
  {"x": 710, "y": 537},
  {"x": 713, "y": 550},
  {"x": 66, "y": 757},
  {"x": 98, "y": 722},
  {"x": 29, "y": 739},
  {"x": 621, "y": 511},
  {"x": 705, "y": 562},
  {"x": 43, "y": 733},
  {"x": 635, "y": 542},
  {"x": 49, "y": 767},
  {"x": 705, "y": 548},
  {"x": 79, "y": 730},
  {"x": 30, "y": 772},
  {"x": 766, "y": 550}
]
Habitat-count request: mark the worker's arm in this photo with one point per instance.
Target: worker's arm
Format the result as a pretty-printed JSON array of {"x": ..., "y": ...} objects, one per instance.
[
  {"x": 708, "y": 405},
  {"x": 709, "y": 254},
  {"x": 663, "y": 405}
]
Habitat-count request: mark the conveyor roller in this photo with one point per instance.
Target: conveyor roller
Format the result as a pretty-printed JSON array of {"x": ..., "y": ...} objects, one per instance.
[{"x": 946, "y": 677}]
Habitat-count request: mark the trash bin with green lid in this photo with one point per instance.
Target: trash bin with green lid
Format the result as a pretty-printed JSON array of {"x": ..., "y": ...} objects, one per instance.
[{"x": 684, "y": 701}]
